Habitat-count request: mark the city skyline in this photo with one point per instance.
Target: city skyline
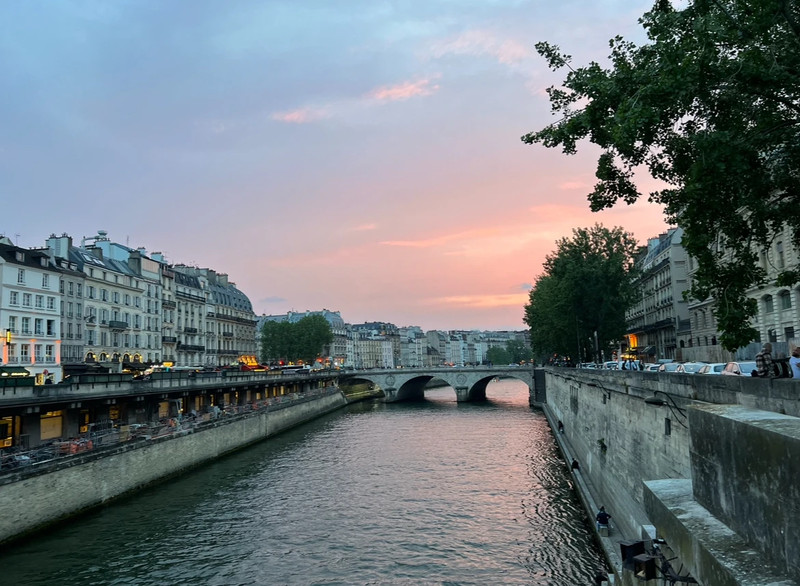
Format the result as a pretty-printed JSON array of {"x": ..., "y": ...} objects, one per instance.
[{"x": 351, "y": 156}]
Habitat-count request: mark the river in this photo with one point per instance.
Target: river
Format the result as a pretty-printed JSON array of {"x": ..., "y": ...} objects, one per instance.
[{"x": 427, "y": 493}]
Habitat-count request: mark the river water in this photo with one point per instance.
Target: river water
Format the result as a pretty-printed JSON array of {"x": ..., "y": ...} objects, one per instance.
[{"x": 428, "y": 493}]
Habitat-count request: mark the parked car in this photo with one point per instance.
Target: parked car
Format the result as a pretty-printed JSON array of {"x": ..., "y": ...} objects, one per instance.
[
  {"x": 744, "y": 368},
  {"x": 653, "y": 367},
  {"x": 690, "y": 367},
  {"x": 610, "y": 365},
  {"x": 669, "y": 367},
  {"x": 713, "y": 368}
]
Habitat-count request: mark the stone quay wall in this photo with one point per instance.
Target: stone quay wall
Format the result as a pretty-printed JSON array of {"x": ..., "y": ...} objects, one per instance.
[
  {"x": 708, "y": 463},
  {"x": 32, "y": 501}
]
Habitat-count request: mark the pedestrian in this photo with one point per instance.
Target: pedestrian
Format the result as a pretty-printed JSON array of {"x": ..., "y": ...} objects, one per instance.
[
  {"x": 602, "y": 518},
  {"x": 764, "y": 364},
  {"x": 560, "y": 427},
  {"x": 794, "y": 363},
  {"x": 575, "y": 466}
]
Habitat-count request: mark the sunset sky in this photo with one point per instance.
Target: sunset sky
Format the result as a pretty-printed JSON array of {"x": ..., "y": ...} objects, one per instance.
[{"x": 361, "y": 156}]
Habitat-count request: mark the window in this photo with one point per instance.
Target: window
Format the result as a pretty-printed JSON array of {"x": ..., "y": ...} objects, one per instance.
[
  {"x": 38, "y": 327},
  {"x": 12, "y": 324},
  {"x": 70, "y": 288},
  {"x": 26, "y": 299},
  {"x": 21, "y": 276},
  {"x": 768, "y": 305},
  {"x": 127, "y": 299},
  {"x": 785, "y": 300},
  {"x": 51, "y": 327},
  {"x": 40, "y": 301},
  {"x": 90, "y": 292},
  {"x": 779, "y": 251},
  {"x": 45, "y": 281},
  {"x": 69, "y": 309},
  {"x": 78, "y": 288},
  {"x": 26, "y": 326},
  {"x": 116, "y": 296},
  {"x": 104, "y": 294},
  {"x": 48, "y": 352},
  {"x": 51, "y": 303},
  {"x": 13, "y": 298},
  {"x": 788, "y": 332},
  {"x": 61, "y": 286}
]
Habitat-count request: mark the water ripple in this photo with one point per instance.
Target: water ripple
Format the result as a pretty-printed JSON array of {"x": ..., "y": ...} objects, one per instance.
[{"x": 432, "y": 493}]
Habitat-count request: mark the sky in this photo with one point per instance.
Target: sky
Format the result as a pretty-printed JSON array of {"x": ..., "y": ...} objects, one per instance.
[{"x": 361, "y": 156}]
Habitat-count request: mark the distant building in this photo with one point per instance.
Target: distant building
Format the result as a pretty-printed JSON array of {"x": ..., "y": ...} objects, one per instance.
[
  {"x": 30, "y": 303},
  {"x": 655, "y": 318}
]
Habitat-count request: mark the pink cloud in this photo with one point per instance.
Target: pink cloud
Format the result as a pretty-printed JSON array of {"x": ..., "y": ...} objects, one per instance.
[
  {"x": 403, "y": 91},
  {"x": 482, "y": 43},
  {"x": 299, "y": 116},
  {"x": 365, "y": 227}
]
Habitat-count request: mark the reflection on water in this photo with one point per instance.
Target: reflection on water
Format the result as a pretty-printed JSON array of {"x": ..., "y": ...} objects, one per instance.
[{"x": 428, "y": 493}]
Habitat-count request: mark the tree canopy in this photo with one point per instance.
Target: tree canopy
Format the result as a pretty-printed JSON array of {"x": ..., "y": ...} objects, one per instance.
[
  {"x": 586, "y": 287},
  {"x": 513, "y": 352},
  {"x": 710, "y": 106},
  {"x": 292, "y": 342}
]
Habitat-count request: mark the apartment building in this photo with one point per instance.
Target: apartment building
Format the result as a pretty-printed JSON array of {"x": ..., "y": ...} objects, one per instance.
[
  {"x": 30, "y": 318},
  {"x": 660, "y": 309}
]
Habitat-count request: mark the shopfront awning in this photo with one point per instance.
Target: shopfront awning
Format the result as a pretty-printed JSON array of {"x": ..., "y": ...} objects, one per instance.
[{"x": 14, "y": 371}]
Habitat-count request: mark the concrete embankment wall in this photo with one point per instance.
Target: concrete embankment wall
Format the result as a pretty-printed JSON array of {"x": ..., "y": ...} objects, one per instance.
[
  {"x": 31, "y": 501},
  {"x": 707, "y": 462}
]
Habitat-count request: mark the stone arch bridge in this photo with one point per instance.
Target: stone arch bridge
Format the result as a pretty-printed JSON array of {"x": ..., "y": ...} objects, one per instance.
[{"x": 408, "y": 384}]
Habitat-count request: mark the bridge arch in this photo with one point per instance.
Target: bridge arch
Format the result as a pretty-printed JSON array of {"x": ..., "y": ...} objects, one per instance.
[{"x": 408, "y": 384}]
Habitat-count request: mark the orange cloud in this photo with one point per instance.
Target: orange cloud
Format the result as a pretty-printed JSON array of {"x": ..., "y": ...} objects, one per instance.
[
  {"x": 483, "y": 301},
  {"x": 443, "y": 239}
]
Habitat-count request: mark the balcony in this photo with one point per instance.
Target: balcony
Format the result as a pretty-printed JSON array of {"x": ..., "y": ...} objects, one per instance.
[
  {"x": 118, "y": 325},
  {"x": 227, "y": 334},
  {"x": 169, "y": 339},
  {"x": 190, "y": 330},
  {"x": 192, "y": 348},
  {"x": 168, "y": 304},
  {"x": 190, "y": 296}
]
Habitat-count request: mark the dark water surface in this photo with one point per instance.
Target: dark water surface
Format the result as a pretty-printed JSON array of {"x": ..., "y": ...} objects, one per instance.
[{"x": 428, "y": 493}]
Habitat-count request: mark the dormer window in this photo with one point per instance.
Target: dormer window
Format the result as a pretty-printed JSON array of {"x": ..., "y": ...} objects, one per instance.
[{"x": 20, "y": 256}]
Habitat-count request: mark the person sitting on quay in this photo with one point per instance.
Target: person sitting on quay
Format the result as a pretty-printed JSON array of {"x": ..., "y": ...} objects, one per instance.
[{"x": 603, "y": 519}]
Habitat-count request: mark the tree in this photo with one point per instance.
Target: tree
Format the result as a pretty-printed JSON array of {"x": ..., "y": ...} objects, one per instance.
[
  {"x": 711, "y": 107},
  {"x": 497, "y": 355},
  {"x": 313, "y": 333},
  {"x": 586, "y": 287},
  {"x": 291, "y": 342},
  {"x": 518, "y": 351}
]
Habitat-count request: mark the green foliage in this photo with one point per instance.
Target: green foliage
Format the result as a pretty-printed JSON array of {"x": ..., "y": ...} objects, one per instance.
[
  {"x": 497, "y": 355},
  {"x": 292, "y": 342},
  {"x": 586, "y": 287},
  {"x": 518, "y": 351},
  {"x": 710, "y": 106}
]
